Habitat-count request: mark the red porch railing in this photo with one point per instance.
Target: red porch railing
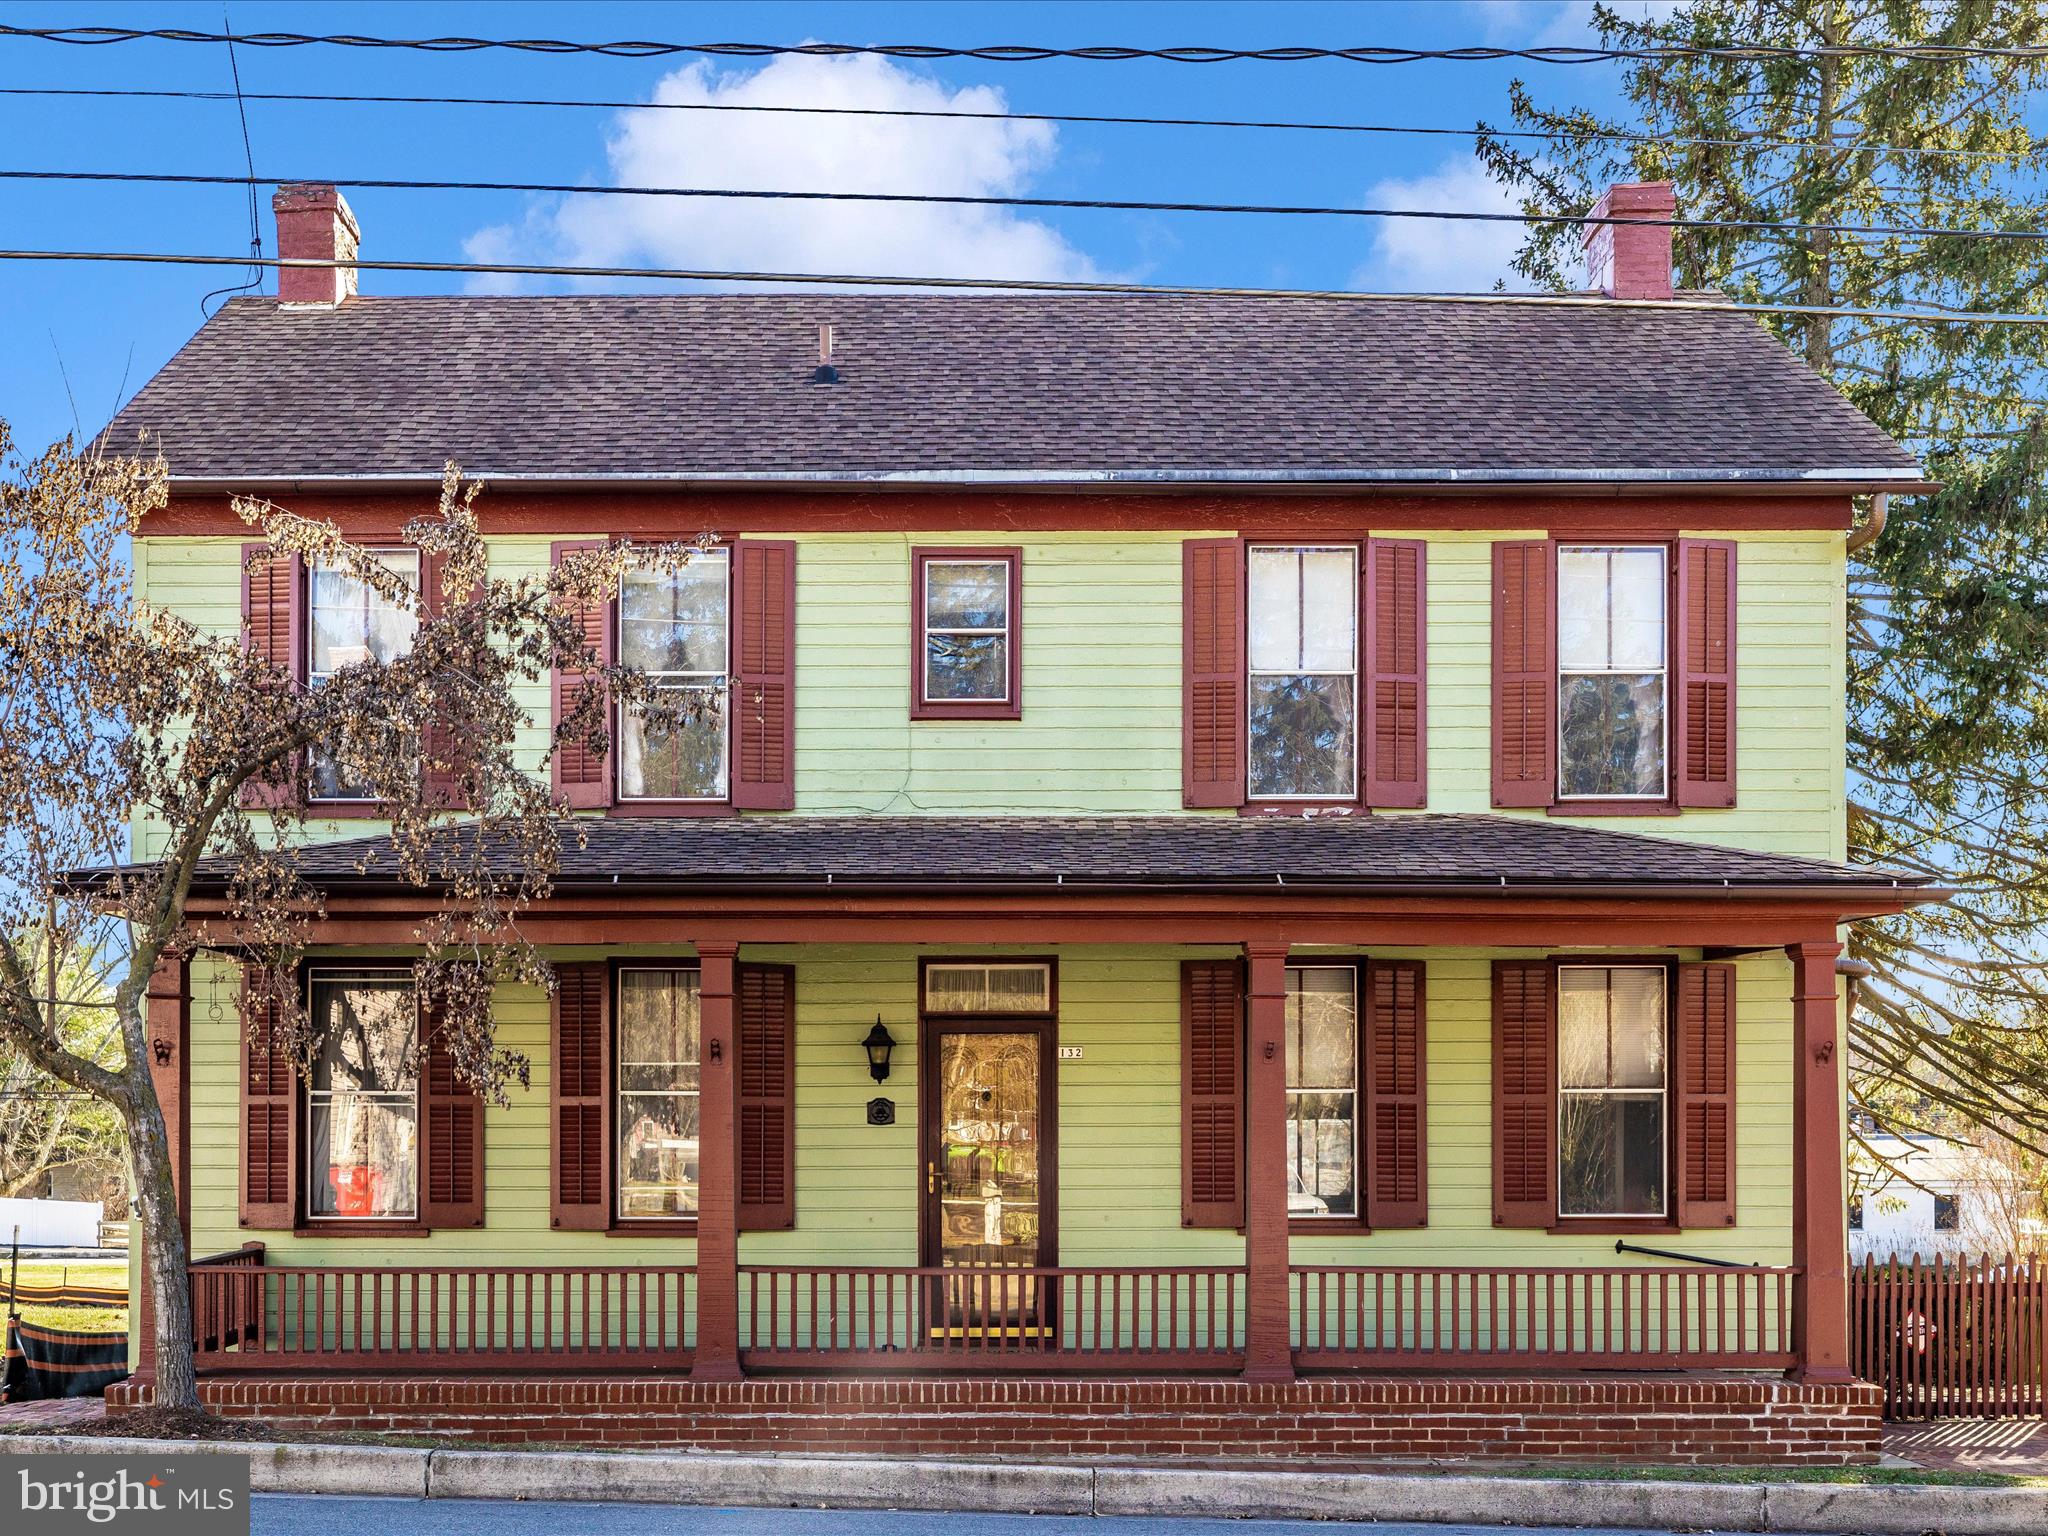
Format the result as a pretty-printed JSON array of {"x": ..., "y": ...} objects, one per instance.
[
  {"x": 1577, "y": 1319},
  {"x": 850, "y": 1317},
  {"x": 252, "y": 1316},
  {"x": 1952, "y": 1338}
]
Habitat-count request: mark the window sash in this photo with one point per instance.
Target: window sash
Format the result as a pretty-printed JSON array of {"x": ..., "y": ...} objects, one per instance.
[
  {"x": 1298, "y": 1090},
  {"x": 708, "y": 680},
  {"x": 1661, "y": 671},
  {"x": 1004, "y": 568},
  {"x": 1254, "y": 674},
  {"x": 1659, "y": 1093},
  {"x": 684, "y": 1193},
  {"x": 330, "y": 1098},
  {"x": 405, "y": 562},
  {"x": 1037, "y": 1005}
]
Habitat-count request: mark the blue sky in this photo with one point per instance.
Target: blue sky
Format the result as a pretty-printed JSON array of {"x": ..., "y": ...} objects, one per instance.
[{"x": 80, "y": 336}]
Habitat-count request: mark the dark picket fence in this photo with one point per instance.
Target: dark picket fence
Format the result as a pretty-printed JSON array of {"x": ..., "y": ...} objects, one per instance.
[{"x": 1953, "y": 1338}]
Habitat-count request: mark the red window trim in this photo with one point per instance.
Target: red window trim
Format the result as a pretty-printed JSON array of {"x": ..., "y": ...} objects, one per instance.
[
  {"x": 1596, "y": 805},
  {"x": 616, "y": 1225},
  {"x": 1011, "y": 708},
  {"x": 1356, "y": 1224},
  {"x": 1352, "y": 804},
  {"x": 304, "y": 1222},
  {"x": 615, "y": 760},
  {"x": 1621, "y": 1226},
  {"x": 314, "y": 808}
]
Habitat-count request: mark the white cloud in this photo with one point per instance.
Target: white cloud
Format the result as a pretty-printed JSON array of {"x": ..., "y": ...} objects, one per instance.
[
  {"x": 1556, "y": 23},
  {"x": 1441, "y": 255},
  {"x": 800, "y": 152}
]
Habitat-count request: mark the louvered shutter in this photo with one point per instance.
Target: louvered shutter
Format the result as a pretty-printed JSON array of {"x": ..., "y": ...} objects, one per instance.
[
  {"x": 763, "y": 703},
  {"x": 444, "y": 763},
  {"x": 1706, "y": 1095},
  {"x": 1524, "y": 1093},
  {"x": 1396, "y": 1131},
  {"x": 765, "y": 1070},
  {"x": 1524, "y": 673},
  {"x": 581, "y": 777},
  {"x": 1396, "y": 586},
  {"x": 1212, "y": 1093},
  {"x": 452, "y": 1148},
  {"x": 579, "y": 1062},
  {"x": 270, "y": 1092},
  {"x": 273, "y": 595},
  {"x": 1703, "y": 710},
  {"x": 1212, "y": 682}
]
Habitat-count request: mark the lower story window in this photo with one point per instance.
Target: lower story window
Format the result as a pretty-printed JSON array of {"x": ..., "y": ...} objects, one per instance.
[
  {"x": 659, "y": 1034},
  {"x": 1322, "y": 1090},
  {"x": 1613, "y": 1072},
  {"x": 363, "y": 1101}
]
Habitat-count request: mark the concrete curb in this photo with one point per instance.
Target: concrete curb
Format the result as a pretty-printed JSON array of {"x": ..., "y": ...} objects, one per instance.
[{"x": 1075, "y": 1489}]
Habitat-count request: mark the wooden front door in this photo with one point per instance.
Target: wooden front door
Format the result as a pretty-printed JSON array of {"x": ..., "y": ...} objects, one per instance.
[{"x": 988, "y": 1173}]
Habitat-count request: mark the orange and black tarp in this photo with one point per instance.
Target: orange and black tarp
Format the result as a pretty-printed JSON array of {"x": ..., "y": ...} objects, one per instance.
[
  {"x": 50, "y": 1362},
  {"x": 71, "y": 1293}
]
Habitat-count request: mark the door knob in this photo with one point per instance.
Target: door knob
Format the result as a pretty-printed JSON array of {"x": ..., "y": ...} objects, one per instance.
[{"x": 931, "y": 1178}]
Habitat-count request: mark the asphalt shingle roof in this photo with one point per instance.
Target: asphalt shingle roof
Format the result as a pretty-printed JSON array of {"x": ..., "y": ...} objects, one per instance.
[
  {"x": 666, "y": 386},
  {"x": 1188, "y": 851}
]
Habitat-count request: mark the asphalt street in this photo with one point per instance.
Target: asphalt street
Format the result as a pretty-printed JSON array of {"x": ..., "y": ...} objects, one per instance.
[{"x": 277, "y": 1515}]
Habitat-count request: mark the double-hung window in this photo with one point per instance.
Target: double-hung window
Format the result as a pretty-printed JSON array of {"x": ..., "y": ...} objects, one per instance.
[
  {"x": 1612, "y": 658},
  {"x": 676, "y": 627},
  {"x": 1613, "y": 1026},
  {"x": 965, "y": 658},
  {"x": 1322, "y": 1090},
  {"x": 352, "y": 623},
  {"x": 1302, "y": 655},
  {"x": 659, "y": 1033},
  {"x": 362, "y": 1102}
]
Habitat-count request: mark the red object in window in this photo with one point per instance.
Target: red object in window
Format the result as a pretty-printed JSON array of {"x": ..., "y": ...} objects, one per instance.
[{"x": 357, "y": 1188}]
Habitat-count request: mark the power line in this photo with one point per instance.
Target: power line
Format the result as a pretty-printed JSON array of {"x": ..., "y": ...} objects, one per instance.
[
  {"x": 1137, "y": 205},
  {"x": 1027, "y": 53},
  {"x": 1929, "y": 315},
  {"x": 1616, "y": 136},
  {"x": 249, "y": 160}
]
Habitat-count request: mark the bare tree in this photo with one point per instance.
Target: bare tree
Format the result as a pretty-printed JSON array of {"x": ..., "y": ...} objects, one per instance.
[
  {"x": 115, "y": 709},
  {"x": 47, "y": 1128}
]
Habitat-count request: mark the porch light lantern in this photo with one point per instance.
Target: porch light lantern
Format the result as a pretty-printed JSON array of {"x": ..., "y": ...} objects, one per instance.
[{"x": 878, "y": 1045}]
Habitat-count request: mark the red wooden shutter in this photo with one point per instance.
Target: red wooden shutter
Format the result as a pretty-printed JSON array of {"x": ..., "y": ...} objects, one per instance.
[
  {"x": 444, "y": 762},
  {"x": 1524, "y": 673},
  {"x": 765, "y": 1069},
  {"x": 1396, "y": 765},
  {"x": 579, "y": 1074},
  {"x": 1212, "y": 672},
  {"x": 453, "y": 1146},
  {"x": 1703, "y": 706},
  {"x": 1212, "y": 1093},
  {"x": 1524, "y": 1093},
  {"x": 581, "y": 777},
  {"x": 270, "y": 1093},
  {"x": 1397, "y": 1193},
  {"x": 273, "y": 627},
  {"x": 763, "y": 702},
  {"x": 1706, "y": 1095}
]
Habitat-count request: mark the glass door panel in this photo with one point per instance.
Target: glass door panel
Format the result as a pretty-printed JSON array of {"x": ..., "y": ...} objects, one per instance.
[{"x": 983, "y": 1178}]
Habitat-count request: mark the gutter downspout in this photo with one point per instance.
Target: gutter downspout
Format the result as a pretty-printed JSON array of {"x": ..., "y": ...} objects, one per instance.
[{"x": 1866, "y": 534}]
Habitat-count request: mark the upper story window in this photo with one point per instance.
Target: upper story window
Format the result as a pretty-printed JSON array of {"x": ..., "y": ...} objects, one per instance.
[
  {"x": 676, "y": 626},
  {"x": 1322, "y": 1090},
  {"x": 659, "y": 1035},
  {"x": 966, "y": 660},
  {"x": 349, "y": 622},
  {"x": 1613, "y": 660},
  {"x": 362, "y": 1101},
  {"x": 1613, "y": 1080},
  {"x": 1302, "y": 657}
]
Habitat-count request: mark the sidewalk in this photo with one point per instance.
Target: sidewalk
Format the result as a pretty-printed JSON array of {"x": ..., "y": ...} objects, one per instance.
[
  {"x": 62, "y": 1410},
  {"x": 2013, "y": 1447}
]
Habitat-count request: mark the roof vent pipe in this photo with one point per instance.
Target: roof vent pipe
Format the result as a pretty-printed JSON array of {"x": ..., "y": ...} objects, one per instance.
[{"x": 825, "y": 373}]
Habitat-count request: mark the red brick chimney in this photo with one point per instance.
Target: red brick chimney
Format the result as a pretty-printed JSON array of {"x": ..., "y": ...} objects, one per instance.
[
  {"x": 1632, "y": 261},
  {"x": 314, "y": 222}
]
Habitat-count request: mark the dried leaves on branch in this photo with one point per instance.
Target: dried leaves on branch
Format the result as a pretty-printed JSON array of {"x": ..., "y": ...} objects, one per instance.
[
  {"x": 1947, "y": 636},
  {"x": 115, "y": 710}
]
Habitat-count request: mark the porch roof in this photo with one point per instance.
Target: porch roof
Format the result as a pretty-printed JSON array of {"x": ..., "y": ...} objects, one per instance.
[{"x": 1422, "y": 853}]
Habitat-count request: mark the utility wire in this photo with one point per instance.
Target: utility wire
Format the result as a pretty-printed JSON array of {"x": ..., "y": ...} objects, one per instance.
[
  {"x": 1026, "y": 53},
  {"x": 1930, "y": 315},
  {"x": 1616, "y": 136},
  {"x": 411, "y": 184},
  {"x": 249, "y": 160}
]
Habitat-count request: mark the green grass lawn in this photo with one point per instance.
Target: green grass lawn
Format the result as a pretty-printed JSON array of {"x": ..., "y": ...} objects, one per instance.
[{"x": 112, "y": 1272}]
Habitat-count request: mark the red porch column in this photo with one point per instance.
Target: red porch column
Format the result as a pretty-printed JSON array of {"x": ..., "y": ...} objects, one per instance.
[
  {"x": 1820, "y": 1298},
  {"x": 1268, "y": 1355},
  {"x": 166, "y": 1013},
  {"x": 718, "y": 1247}
]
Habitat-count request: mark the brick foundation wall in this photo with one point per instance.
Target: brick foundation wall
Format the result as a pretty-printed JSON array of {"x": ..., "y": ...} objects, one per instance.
[{"x": 1756, "y": 1421}]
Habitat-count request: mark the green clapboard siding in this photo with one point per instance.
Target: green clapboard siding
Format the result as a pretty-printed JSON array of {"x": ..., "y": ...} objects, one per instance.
[
  {"x": 1118, "y": 1138},
  {"x": 1101, "y": 664}
]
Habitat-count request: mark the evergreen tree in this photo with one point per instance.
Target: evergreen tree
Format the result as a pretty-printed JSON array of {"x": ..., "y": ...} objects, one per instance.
[{"x": 1948, "y": 608}]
